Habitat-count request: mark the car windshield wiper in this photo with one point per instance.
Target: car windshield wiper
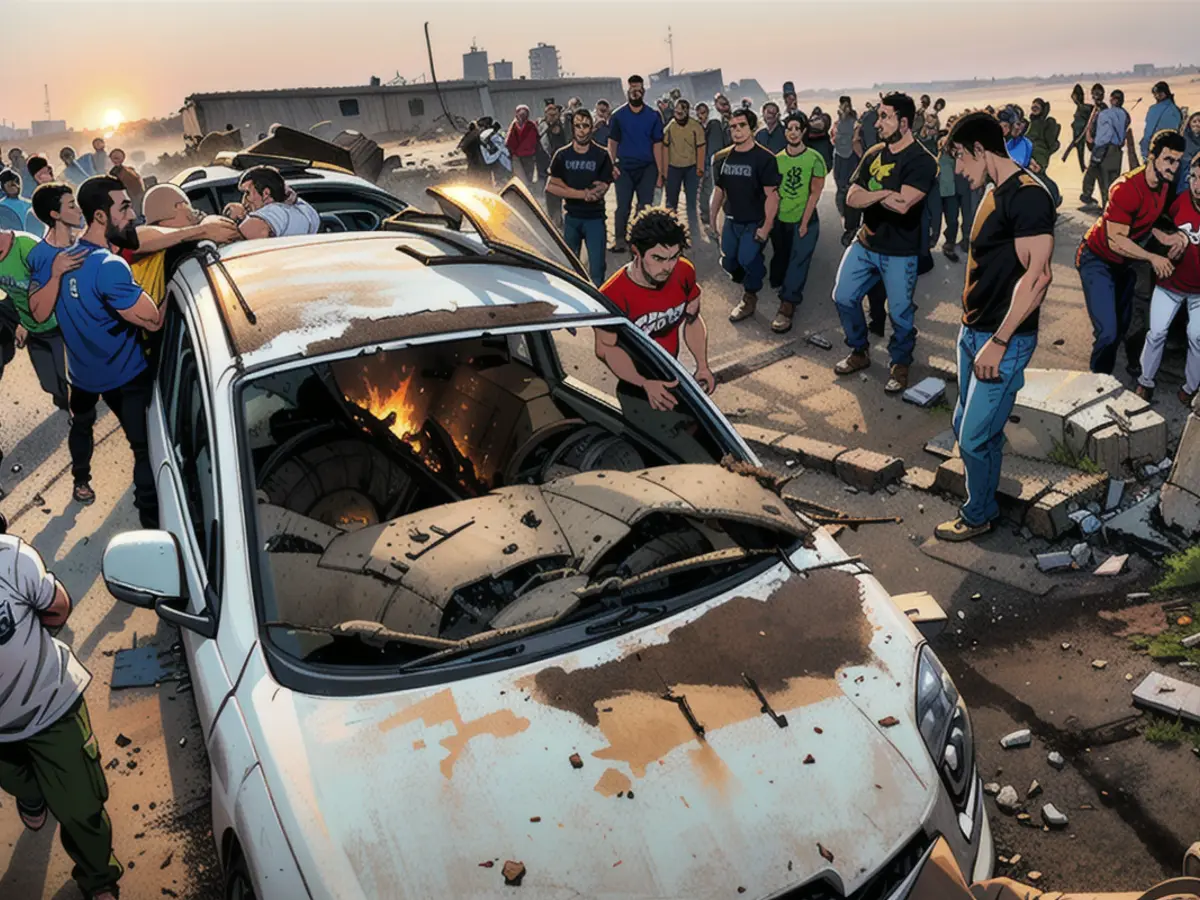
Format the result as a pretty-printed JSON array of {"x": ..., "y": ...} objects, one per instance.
[{"x": 617, "y": 585}]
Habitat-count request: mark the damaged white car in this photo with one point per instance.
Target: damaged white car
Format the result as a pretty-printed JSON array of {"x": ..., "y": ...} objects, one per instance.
[{"x": 462, "y": 611}]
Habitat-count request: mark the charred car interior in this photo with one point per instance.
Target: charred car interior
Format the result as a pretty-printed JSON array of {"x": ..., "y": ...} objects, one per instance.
[{"x": 416, "y": 503}]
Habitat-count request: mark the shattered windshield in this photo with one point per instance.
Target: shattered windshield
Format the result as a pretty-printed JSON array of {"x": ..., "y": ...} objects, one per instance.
[{"x": 415, "y": 503}]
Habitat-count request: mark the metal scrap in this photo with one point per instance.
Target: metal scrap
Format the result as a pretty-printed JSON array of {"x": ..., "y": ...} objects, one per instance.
[
  {"x": 778, "y": 719},
  {"x": 681, "y": 701}
]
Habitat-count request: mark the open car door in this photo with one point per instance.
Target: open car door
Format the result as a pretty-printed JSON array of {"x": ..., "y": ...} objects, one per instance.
[{"x": 511, "y": 221}]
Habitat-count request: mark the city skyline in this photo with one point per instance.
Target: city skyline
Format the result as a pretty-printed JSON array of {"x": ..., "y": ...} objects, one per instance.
[{"x": 148, "y": 81}]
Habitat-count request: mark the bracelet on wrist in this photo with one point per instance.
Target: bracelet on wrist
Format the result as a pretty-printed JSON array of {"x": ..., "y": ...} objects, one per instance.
[{"x": 998, "y": 341}]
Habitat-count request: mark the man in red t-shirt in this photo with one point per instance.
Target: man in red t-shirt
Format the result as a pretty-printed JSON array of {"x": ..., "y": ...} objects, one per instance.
[
  {"x": 1135, "y": 211},
  {"x": 1182, "y": 287},
  {"x": 657, "y": 290}
]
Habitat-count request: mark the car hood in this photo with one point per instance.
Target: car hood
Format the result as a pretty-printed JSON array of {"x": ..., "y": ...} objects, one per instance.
[{"x": 591, "y": 769}]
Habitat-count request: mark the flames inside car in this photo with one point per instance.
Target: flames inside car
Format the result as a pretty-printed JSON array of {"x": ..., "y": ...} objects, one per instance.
[{"x": 417, "y": 503}]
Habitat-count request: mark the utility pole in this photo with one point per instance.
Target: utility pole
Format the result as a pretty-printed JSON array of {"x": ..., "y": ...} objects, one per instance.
[
  {"x": 46, "y": 87},
  {"x": 671, "y": 47}
]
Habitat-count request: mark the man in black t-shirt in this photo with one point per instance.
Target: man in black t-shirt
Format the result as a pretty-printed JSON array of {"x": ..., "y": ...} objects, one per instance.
[
  {"x": 1008, "y": 273},
  {"x": 889, "y": 187},
  {"x": 581, "y": 174},
  {"x": 746, "y": 180}
]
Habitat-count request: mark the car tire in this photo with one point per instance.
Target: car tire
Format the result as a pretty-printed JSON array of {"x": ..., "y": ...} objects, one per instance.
[{"x": 238, "y": 885}]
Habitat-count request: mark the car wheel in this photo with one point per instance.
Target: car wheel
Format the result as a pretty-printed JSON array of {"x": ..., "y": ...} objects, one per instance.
[{"x": 238, "y": 885}]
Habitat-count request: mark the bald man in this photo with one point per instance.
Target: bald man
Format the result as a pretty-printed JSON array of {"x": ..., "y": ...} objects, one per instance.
[{"x": 173, "y": 225}]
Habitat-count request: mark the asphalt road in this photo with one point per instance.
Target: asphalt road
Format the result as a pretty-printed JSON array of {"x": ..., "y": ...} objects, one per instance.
[{"x": 1005, "y": 650}]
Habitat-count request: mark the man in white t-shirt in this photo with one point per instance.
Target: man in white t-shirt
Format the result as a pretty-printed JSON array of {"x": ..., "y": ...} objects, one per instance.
[
  {"x": 49, "y": 758},
  {"x": 269, "y": 208}
]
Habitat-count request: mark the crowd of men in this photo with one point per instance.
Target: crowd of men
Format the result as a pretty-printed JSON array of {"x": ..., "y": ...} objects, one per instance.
[{"x": 86, "y": 295}]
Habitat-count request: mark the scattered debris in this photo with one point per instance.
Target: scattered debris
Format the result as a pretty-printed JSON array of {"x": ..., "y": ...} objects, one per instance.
[
  {"x": 486, "y": 864},
  {"x": 1015, "y": 859},
  {"x": 1112, "y": 566},
  {"x": 926, "y": 392},
  {"x": 1035, "y": 788},
  {"x": 145, "y": 667},
  {"x": 1099, "y": 663},
  {"x": 1007, "y": 800},
  {"x": 1056, "y": 760},
  {"x": 1191, "y": 641},
  {"x": 1066, "y": 645},
  {"x": 1081, "y": 554},
  {"x": 123, "y": 741},
  {"x": 991, "y": 789},
  {"x": 1053, "y": 818},
  {"x": 1116, "y": 491},
  {"x": 809, "y": 760},
  {"x": 1138, "y": 595},
  {"x": 38, "y": 500},
  {"x": 1034, "y": 876},
  {"x": 1022, "y": 738},
  {"x": 166, "y": 862},
  {"x": 889, "y": 722},
  {"x": 825, "y": 852},
  {"x": 1086, "y": 520},
  {"x": 1055, "y": 560},
  {"x": 513, "y": 872},
  {"x": 530, "y": 520},
  {"x": 820, "y": 341}
]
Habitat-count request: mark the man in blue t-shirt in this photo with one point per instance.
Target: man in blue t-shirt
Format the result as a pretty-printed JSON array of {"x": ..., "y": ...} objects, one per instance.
[
  {"x": 100, "y": 308},
  {"x": 635, "y": 143}
]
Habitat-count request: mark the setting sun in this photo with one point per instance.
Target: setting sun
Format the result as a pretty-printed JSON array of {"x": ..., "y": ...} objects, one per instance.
[{"x": 113, "y": 118}]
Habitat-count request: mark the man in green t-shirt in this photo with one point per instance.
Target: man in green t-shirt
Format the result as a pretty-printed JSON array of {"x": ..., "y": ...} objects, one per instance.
[
  {"x": 43, "y": 339},
  {"x": 802, "y": 170}
]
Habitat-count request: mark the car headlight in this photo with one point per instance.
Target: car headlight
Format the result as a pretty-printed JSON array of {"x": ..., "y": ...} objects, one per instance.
[{"x": 945, "y": 727}]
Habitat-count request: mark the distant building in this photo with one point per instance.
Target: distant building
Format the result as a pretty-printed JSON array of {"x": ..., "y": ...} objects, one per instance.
[
  {"x": 475, "y": 65},
  {"x": 47, "y": 126},
  {"x": 12, "y": 133},
  {"x": 693, "y": 86},
  {"x": 502, "y": 70},
  {"x": 1144, "y": 70},
  {"x": 543, "y": 62}
]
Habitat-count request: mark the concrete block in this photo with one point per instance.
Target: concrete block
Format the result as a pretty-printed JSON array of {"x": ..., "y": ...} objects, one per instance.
[
  {"x": 943, "y": 445},
  {"x": 1059, "y": 559},
  {"x": 1048, "y": 399},
  {"x": 919, "y": 478},
  {"x": 1180, "y": 508},
  {"x": 1048, "y": 517},
  {"x": 812, "y": 453},
  {"x": 1168, "y": 695},
  {"x": 867, "y": 470},
  {"x": 765, "y": 437},
  {"x": 1136, "y": 524},
  {"x": 1116, "y": 491},
  {"x": 1186, "y": 471},
  {"x": 926, "y": 392},
  {"x": 951, "y": 477}
]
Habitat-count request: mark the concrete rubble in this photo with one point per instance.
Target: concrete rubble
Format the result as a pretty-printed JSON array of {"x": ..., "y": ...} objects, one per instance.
[
  {"x": 926, "y": 392},
  {"x": 1053, "y": 818},
  {"x": 1007, "y": 800},
  {"x": 1179, "y": 500},
  {"x": 1170, "y": 696},
  {"x": 1022, "y": 738},
  {"x": 1112, "y": 566},
  {"x": 1056, "y": 760}
]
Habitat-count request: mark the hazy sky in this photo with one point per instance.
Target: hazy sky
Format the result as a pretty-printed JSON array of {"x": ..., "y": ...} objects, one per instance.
[{"x": 153, "y": 54}]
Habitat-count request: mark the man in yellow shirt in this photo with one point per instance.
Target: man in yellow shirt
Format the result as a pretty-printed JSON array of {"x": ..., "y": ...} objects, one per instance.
[{"x": 685, "y": 140}]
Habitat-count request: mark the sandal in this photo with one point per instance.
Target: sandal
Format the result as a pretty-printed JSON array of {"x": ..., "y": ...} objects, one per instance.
[
  {"x": 34, "y": 818},
  {"x": 84, "y": 494}
]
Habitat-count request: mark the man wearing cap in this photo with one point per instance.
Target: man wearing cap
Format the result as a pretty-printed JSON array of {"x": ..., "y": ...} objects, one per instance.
[{"x": 1164, "y": 115}]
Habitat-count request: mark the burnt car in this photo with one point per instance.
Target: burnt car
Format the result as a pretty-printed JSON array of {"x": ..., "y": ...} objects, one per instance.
[{"x": 460, "y": 609}]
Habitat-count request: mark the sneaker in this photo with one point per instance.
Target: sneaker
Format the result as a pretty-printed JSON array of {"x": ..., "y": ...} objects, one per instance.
[
  {"x": 783, "y": 319},
  {"x": 898, "y": 380},
  {"x": 959, "y": 530},
  {"x": 948, "y": 252},
  {"x": 745, "y": 308},
  {"x": 84, "y": 494},
  {"x": 855, "y": 362},
  {"x": 34, "y": 818},
  {"x": 1185, "y": 398},
  {"x": 1145, "y": 393}
]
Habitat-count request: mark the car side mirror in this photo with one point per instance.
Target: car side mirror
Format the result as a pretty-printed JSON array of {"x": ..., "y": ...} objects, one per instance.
[{"x": 144, "y": 568}]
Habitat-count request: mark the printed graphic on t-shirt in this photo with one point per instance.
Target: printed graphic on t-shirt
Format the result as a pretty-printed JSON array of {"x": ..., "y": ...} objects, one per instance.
[
  {"x": 658, "y": 322},
  {"x": 879, "y": 170}
]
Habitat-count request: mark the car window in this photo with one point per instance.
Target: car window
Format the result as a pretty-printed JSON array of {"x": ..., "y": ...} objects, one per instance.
[
  {"x": 202, "y": 200},
  {"x": 192, "y": 446},
  {"x": 333, "y": 200},
  {"x": 168, "y": 359}
]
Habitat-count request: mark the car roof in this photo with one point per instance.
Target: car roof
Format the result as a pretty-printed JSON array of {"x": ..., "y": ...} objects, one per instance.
[{"x": 281, "y": 298}]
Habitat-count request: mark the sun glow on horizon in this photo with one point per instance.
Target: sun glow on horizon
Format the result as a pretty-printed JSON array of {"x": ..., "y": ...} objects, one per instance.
[{"x": 113, "y": 118}]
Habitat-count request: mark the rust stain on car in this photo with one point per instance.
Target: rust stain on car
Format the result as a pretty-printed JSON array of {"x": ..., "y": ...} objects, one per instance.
[
  {"x": 612, "y": 783},
  {"x": 441, "y": 708},
  {"x": 793, "y": 644}
]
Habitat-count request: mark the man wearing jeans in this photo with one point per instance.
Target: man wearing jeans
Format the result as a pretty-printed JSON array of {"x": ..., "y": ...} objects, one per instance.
[
  {"x": 1183, "y": 287},
  {"x": 635, "y": 143},
  {"x": 889, "y": 187},
  {"x": 1105, "y": 167},
  {"x": 802, "y": 177},
  {"x": 685, "y": 141},
  {"x": 1132, "y": 215},
  {"x": 49, "y": 757},
  {"x": 747, "y": 188},
  {"x": 1008, "y": 274},
  {"x": 100, "y": 309},
  {"x": 581, "y": 173}
]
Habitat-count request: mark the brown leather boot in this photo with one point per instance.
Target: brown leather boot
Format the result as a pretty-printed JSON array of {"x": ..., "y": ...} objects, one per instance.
[{"x": 855, "y": 362}]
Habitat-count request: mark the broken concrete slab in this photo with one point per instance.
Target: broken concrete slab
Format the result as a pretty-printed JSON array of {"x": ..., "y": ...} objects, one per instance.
[
  {"x": 1048, "y": 517},
  {"x": 1052, "y": 817},
  {"x": 1168, "y": 695},
  {"x": 1180, "y": 497},
  {"x": 1021, "y": 738},
  {"x": 1086, "y": 520},
  {"x": 925, "y": 392},
  {"x": 943, "y": 444},
  {"x": 1116, "y": 490},
  {"x": 1191, "y": 641},
  {"x": 867, "y": 470},
  {"x": 1081, "y": 554},
  {"x": 1112, "y": 566},
  {"x": 764, "y": 437},
  {"x": 811, "y": 452},
  {"x": 1055, "y": 560},
  {"x": 919, "y": 478},
  {"x": 1001, "y": 556}
]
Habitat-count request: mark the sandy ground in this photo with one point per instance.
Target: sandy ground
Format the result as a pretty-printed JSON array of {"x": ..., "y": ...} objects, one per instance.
[{"x": 1004, "y": 651}]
